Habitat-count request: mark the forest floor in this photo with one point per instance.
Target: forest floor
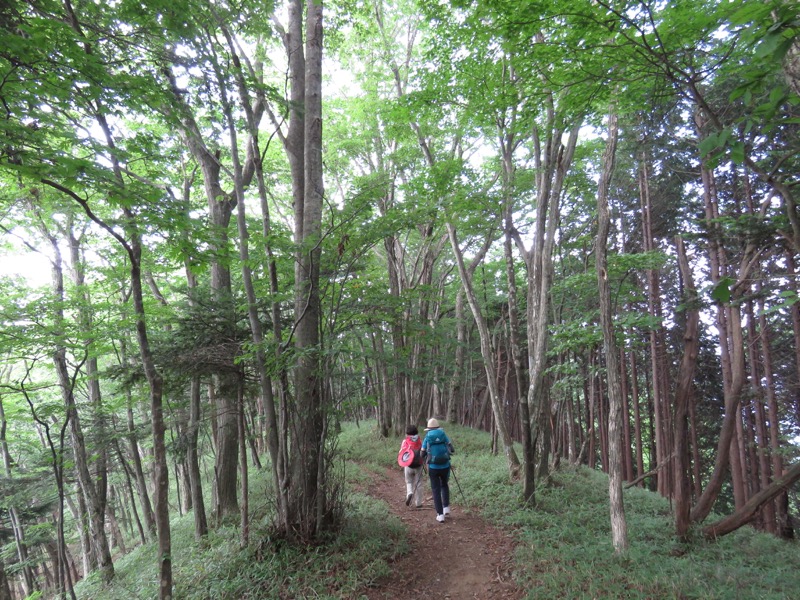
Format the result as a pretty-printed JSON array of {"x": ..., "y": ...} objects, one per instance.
[{"x": 462, "y": 558}]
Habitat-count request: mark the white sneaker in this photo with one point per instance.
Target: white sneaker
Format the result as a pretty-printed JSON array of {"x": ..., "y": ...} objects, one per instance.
[
  {"x": 440, "y": 518},
  {"x": 446, "y": 510}
]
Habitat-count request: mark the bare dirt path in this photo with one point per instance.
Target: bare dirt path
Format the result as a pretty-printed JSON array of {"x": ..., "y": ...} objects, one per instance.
[{"x": 463, "y": 558}]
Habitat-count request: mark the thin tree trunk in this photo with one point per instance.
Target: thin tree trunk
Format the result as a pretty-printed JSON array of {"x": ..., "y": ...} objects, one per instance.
[
  {"x": 244, "y": 534},
  {"x": 637, "y": 417},
  {"x": 761, "y": 465},
  {"x": 129, "y": 486},
  {"x": 85, "y": 320},
  {"x": 94, "y": 504},
  {"x": 487, "y": 354},
  {"x": 508, "y": 145},
  {"x": 626, "y": 417},
  {"x": 656, "y": 336},
  {"x": 256, "y": 330},
  {"x": 136, "y": 457},
  {"x": 773, "y": 417},
  {"x": 28, "y": 580},
  {"x": 616, "y": 461},
  {"x": 732, "y": 355}
]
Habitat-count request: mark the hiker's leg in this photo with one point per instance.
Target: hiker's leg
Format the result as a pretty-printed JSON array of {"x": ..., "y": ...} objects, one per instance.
[
  {"x": 410, "y": 475},
  {"x": 446, "y": 487},
  {"x": 436, "y": 488}
]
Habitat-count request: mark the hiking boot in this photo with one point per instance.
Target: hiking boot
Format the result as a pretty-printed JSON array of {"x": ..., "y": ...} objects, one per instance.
[
  {"x": 446, "y": 510},
  {"x": 408, "y": 499},
  {"x": 440, "y": 518}
]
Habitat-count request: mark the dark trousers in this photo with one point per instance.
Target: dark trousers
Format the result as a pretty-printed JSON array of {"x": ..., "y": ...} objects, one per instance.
[{"x": 440, "y": 488}]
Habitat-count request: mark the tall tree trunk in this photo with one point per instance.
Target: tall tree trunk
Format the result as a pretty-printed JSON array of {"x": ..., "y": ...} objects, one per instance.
[
  {"x": 133, "y": 443},
  {"x": 220, "y": 209},
  {"x": 616, "y": 461},
  {"x": 244, "y": 522},
  {"x": 193, "y": 462},
  {"x": 553, "y": 158},
  {"x": 456, "y": 389},
  {"x": 487, "y": 354},
  {"x": 309, "y": 494},
  {"x": 760, "y": 463},
  {"x": 252, "y": 115},
  {"x": 508, "y": 143},
  {"x": 66, "y": 382},
  {"x": 85, "y": 319},
  {"x": 683, "y": 396},
  {"x": 154, "y": 379},
  {"x": 782, "y": 518},
  {"x": 656, "y": 336},
  {"x": 733, "y": 363}
]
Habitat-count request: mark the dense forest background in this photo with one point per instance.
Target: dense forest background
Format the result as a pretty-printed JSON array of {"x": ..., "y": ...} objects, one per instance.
[{"x": 229, "y": 226}]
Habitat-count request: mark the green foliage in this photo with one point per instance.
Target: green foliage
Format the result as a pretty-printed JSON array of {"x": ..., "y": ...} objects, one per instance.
[
  {"x": 564, "y": 543},
  {"x": 341, "y": 566}
]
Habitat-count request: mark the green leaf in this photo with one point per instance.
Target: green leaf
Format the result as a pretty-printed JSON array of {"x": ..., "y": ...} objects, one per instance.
[
  {"x": 722, "y": 291},
  {"x": 709, "y": 144}
]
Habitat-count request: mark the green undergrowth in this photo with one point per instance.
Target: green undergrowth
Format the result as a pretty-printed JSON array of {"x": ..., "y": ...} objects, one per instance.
[
  {"x": 563, "y": 544},
  {"x": 342, "y": 566}
]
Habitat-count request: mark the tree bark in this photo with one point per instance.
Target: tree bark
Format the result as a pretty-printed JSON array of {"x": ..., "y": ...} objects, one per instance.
[
  {"x": 656, "y": 336},
  {"x": 616, "y": 460},
  {"x": 253, "y": 117},
  {"x": 746, "y": 513},
  {"x": 732, "y": 356},
  {"x": 308, "y": 497},
  {"x": 683, "y": 396},
  {"x": 487, "y": 354},
  {"x": 781, "y": 516},
  {"x": 66, "y": 383}
]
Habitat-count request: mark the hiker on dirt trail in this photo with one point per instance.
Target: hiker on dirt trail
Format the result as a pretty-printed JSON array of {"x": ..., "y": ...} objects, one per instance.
[
  {"x": 436, "y": 450},
  {"x": 410, "y": 458}
]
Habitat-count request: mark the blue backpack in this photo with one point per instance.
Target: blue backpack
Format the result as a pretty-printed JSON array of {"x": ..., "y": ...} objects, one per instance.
[{"x": 438, "y": 450}]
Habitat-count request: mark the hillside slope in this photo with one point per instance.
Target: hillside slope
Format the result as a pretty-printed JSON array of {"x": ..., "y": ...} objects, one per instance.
[{"x": 562, "y": 547}]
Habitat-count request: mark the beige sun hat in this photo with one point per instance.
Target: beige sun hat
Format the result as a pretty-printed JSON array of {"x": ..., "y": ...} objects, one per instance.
[{"x": 432, "y": 424}]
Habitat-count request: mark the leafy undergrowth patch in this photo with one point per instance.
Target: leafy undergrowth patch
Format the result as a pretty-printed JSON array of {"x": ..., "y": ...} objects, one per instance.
[{"x": 337, "y": 567}]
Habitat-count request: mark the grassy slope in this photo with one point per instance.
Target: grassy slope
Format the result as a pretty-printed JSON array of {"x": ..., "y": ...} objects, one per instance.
[{"x": 564, "y": 544}]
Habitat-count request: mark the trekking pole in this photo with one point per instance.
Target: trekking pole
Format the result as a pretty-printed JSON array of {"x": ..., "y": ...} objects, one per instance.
[{"x": 458, "y": 484}]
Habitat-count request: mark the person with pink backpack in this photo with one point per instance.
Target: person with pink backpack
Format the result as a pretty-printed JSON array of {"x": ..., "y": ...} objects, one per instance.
[{"x": 410, "y": 459}]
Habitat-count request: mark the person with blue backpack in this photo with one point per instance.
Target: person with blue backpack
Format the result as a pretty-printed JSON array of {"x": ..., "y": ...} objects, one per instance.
[{"x": 436, "y": 450}]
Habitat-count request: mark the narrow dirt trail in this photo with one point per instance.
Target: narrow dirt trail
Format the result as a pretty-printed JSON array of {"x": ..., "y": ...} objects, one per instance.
[{"x": 463, "y": 558}]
